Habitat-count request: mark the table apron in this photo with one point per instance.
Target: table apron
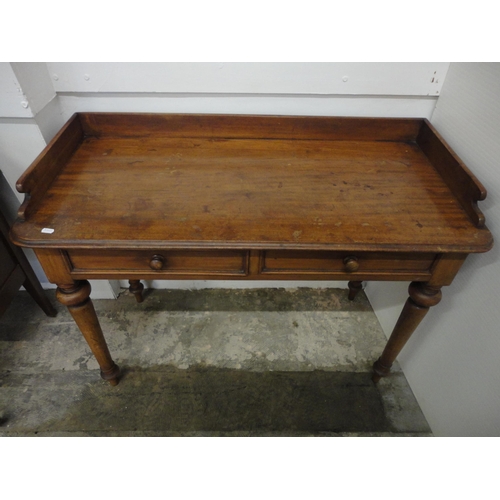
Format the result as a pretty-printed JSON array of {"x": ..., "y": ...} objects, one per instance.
[{"x": 65, "y": 266}]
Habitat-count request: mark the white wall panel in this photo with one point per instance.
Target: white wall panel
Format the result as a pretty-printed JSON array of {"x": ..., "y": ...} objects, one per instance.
[
  {"x": 268, "y": 105},
  {"x": 13, "y": 102},
  {"x": 36, "y": 84},
  {"x": 401, "y": 79},
  {"x": 50, "y": 119},
  {"x": 20, "y": 143}
]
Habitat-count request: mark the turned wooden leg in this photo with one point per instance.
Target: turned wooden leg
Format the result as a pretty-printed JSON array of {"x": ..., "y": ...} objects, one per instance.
[
  {"x": 422, "y": 297},
  {"x": 76, "y": 298},
  {"x": 354, "y": 288},
  {"x": 136, "y": 287}
]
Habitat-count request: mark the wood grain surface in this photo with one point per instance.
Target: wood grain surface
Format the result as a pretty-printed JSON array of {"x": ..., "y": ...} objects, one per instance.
[{"x": 122, "y": 191}]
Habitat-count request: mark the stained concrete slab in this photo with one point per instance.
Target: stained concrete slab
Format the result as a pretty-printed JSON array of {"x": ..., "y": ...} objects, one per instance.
[{"x": 233, "y": 340}]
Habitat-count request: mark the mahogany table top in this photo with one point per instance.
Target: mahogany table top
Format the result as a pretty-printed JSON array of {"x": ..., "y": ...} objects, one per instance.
[{"x": 196, "y": 181}]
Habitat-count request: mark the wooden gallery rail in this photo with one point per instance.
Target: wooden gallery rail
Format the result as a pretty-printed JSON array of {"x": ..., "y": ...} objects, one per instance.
[{"x": 157, "y": 196}]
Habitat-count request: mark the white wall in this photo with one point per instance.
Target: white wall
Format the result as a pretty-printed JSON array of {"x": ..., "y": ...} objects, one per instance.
[
  {"x": 350, "y": 89},
  {"x": 451, "y": 362},
  {"x": 394, "y": 79},
  {"x": 13, "y": 102}
]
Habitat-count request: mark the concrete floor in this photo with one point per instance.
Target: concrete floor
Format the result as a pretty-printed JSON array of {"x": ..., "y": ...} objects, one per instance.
[{"x": 181, "y": 350}]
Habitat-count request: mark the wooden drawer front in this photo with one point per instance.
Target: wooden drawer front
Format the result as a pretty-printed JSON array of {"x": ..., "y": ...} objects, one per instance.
[
  {"x": 230, "y": 262},
  {"x": 299, "y": 262}
]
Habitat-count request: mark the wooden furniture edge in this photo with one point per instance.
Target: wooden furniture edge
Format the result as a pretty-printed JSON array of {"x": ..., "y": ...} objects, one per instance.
[
  {"x": 35, "y": 181},
  {"x": 462, "y": 182},
  {"x": 55, "y": 264},
  {"x": 242, "y": 245},
  {"x": 445, "y": 268},
  {"x": 250, "y": 126}
]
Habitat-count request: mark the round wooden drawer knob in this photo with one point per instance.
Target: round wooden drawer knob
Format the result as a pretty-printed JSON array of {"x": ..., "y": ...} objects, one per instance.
[
  {"x": 157, "y": 262},
  {"x": 351, "y": 264}
]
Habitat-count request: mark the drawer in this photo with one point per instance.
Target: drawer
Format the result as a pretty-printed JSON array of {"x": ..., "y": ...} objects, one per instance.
[
  {"x": 168, "y": 262},
  {"x": 312, "y": 262}
]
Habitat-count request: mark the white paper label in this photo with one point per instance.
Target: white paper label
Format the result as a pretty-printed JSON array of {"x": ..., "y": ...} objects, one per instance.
[{"x": 47, "y": 230}]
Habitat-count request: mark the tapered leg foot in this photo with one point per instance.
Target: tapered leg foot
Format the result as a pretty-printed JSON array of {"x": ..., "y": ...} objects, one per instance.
[
  {"x": 379, "y": 371},
  {"x": 422, "y": 297},
  {"x": 136, "y": 287},
  {"x": 354, "y": 288},
  {"x": 112, "y": 375},
  {"x": 76, "y": 297}
]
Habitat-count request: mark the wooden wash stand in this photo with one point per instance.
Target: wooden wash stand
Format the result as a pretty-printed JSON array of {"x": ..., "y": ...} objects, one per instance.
[{"x": 158, "y": 196}]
